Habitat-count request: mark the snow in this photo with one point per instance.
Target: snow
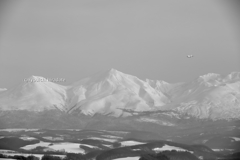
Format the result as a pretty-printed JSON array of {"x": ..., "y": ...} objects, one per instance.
[
  {"x": 106, "y": 145},
  {"x": 219, "y": 150},
  {"x": 136, "y": 149},
  {"x": 112, "y": 137},
  {"x": 128, "y": 158},
  {"x": 67, "y": 146},
  {"x": 205, "y": 140},
  {"x": 92, "y": 95},
  {"x": 6, "y": 151},
  {"x": 54, "y": 138},
  {"x": 27, "y": 138},
  {"x": 209, "y": 77},
  {"x": 236, "y": 138},
  {"x": 36, "y": 155},
  {"x": 108, "y": 91},
  {"x": 131, "y": 143},
  {"x": 169, "y": 148},
  {"x": 115, "y": 132},
  {"x": 103, "y": 139},
  {"x": 73, "y": 129},
  {"x": 18, "y": 129},
  {"x": 90, "y": 146},
  {"x": 39, "y": 132},
  {"x": 32, "y": 146},
  {"x": 34, "y": 96},
  {"x": 151, "y": 120}
]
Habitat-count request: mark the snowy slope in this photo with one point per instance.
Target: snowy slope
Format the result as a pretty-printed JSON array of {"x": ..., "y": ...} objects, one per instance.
[
  {"x": 209, "y": 96},
  {"x": 34, "y": 96},
  {"x": 112, "y": 91}
]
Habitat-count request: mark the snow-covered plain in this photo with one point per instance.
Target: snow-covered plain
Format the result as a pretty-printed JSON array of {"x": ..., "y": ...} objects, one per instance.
[
  {"x": 6, "y": 151},
  {"x": 26, "y": 138},
  {"x": 103, "y": 139},
  {"x": 128, "y": 158},
  {"x": 54, "y": 138},
  {"x": 151, "y": 120},
  {"x": 39, "y": 132},
  {"x": 219, "y": 150},
  {"x": 90, "y": 146},
  {"x": 111, "y": 136},
  {"x": 236, "y": 138},
  {"x": 169, "y": 148},
  {"x": 66, "y": 146},
  {"x": 18, "y": 129},
  {"x": 131, "y": 143}
]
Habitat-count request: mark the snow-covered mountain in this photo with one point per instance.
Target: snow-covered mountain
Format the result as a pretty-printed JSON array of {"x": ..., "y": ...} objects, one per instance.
[
  {"x": 35, "y": 95},
  {"x": 115, "y": 93},
  {"x": 112, "y": 92},
  {"x": 209, "y": 96}
]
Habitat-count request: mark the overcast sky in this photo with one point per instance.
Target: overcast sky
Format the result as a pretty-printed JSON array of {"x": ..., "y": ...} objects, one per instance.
[{"x": 73, "y": 39}]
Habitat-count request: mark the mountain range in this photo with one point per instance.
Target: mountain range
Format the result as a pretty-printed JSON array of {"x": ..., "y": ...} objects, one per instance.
[{"x": 113, "y": 93}]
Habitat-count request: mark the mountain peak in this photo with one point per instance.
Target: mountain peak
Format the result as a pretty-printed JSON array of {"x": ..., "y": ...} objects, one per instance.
[
  {"x": 108, "y": 74},
  {"x": 234, "y": 75},
  {"x": 113, "y": 71},
  {"x": 209, "y": 78}
]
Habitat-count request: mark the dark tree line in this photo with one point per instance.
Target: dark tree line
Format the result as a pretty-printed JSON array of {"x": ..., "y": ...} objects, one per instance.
[
  {"x": 19, "y": 157},
  {"x": 169, "y": 155},
  {"x": 69, "y": 156}
]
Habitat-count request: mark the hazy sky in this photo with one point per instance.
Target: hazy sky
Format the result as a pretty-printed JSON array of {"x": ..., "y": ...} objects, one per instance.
[{"x": 73, "y": 39}]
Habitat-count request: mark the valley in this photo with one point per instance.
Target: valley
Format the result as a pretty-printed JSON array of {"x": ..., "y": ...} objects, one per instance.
[{"x": 209, "y": 141}]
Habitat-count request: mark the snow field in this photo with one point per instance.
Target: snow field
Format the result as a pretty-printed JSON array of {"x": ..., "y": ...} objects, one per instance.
[
  {"x": 131, "y": 143},
  {"x": 128, "y": 158},
  {"x": 169, "y": 148},
  {"x": 68, "y": 147}
]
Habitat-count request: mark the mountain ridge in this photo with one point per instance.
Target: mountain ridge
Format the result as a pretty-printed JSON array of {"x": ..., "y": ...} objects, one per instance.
[{"x": 111, "y": 92}]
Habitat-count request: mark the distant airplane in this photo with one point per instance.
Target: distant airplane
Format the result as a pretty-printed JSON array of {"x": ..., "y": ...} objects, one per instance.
[{"x": 189, "y": 56}]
